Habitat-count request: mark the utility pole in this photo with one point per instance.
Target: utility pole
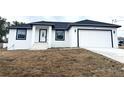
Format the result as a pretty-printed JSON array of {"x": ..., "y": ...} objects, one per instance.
[{"x": 115, "y": 21}]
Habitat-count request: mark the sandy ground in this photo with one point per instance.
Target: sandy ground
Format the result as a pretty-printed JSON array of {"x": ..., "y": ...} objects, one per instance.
[
  {"x": 121, "y": 47},
  {"x": 57, "y": 63}
]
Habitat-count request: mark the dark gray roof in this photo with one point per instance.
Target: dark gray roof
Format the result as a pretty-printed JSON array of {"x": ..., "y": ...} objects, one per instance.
[
  {"x": 95, "y": 23},
  {"x": 27, "y": 26},
  {"x": 56, "y": 25},
  {"x": 67, "y": 25}
]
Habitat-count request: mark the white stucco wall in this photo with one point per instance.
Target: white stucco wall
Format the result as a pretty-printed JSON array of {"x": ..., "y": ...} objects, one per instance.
[
  {"x": 14, "y": 44},
  {"x": 51, "y": 38},
  {"x": 39, "y": 45},
  {"x": 70, "y": 38},
  {"x": 37, "y": 35},
  {"x": 73, "y": 37},
  {"x": 48, "y": 28},
  {"x": 64, "y": 43},
  {"x": 115, "y": 38}
]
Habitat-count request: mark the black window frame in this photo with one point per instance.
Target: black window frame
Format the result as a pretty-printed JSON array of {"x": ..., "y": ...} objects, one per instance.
[
  {"x": 17, "y": 38},
  {"x": 56, "y": 35}
]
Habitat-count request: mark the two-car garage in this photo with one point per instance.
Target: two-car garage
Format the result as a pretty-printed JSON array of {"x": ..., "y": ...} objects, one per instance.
[{"x": 95, "y": 38}]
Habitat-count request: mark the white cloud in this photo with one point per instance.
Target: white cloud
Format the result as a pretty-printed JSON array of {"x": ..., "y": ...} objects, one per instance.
[
  {"x": 43, "y": 18},
  {"x": 73, "y": 18},
  {"x": 16, "y": 18}
]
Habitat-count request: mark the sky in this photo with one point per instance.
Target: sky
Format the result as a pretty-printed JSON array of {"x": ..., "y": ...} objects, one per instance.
[{"x": 28, "y": 19}]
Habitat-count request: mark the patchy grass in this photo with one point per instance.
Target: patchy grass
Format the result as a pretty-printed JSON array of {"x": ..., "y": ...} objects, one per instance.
[{"x": 57, "y": 63}]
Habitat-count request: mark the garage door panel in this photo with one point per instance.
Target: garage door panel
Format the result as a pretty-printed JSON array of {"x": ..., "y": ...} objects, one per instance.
[{"x": 91, "y": 38}]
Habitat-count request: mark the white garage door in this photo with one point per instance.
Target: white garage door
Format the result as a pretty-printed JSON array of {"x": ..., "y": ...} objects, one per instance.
[{"x": 92, "y": 38}]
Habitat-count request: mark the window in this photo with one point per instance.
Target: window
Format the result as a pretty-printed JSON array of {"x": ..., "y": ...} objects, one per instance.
[
  {"x": 60, "y": 35},
  {"x": 21, "y": 34}
]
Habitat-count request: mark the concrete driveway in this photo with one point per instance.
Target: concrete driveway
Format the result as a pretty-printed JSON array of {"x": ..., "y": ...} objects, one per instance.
[{"x": 115, "y": 54}]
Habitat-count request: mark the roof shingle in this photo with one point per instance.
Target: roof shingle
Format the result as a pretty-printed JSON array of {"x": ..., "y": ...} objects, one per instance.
[{"x": 66, "y": 25}]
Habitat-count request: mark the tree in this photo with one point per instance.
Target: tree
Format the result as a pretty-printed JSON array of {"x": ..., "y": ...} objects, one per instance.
[
  {"x": 16, "y": 23},
  {"x": 3, "y": 29}
]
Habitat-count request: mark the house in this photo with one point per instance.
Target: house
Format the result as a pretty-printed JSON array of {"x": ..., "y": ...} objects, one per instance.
[
  {"x": 44, "y": 35},
  {"x": 5, "y": 41},
  {"x": 121, "y": 39}
]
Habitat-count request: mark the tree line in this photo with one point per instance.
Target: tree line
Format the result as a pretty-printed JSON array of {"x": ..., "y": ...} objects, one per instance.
[{"x": 4, "y": 25}]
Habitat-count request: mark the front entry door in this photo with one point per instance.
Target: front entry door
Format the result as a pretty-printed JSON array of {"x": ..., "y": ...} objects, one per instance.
[{"x": 43, "y": 35}]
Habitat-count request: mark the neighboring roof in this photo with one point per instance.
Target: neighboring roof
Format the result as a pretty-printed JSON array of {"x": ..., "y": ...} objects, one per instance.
[
  {"x": 121, "y": 38},
  {"x": 66, "y": 25}
]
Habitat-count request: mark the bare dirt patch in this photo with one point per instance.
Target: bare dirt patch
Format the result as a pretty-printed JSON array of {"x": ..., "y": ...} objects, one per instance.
[
  {"x": 57, "y": 63},
  {"x": 121, "y": 47}
]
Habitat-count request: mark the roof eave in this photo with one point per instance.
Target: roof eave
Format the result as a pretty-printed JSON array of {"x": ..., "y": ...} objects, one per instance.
[
  {"x": 43, "y": 24},
  {"x": 94, "y": 25},
  {"x": 20, "y": 28}
]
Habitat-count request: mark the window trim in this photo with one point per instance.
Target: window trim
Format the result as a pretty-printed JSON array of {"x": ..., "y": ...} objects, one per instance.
[
  {"x": 17, "y": 34},
  {"x": 56, "y": 36}
]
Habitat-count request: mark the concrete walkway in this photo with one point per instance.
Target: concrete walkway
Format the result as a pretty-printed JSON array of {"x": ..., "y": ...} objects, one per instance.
[{"x": 115, "y": 54}]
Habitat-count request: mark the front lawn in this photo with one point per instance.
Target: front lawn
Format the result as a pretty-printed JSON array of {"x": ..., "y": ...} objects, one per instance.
[{"x": 57, "y": 63}]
